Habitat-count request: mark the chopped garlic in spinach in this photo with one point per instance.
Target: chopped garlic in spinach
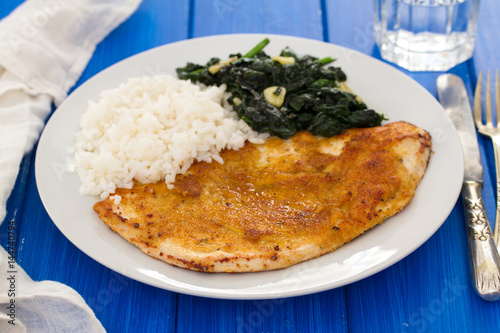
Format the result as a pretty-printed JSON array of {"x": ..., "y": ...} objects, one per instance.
[{"x": 313, "y": 100}]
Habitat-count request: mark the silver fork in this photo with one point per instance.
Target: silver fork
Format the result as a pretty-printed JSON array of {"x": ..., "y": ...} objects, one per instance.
[{"x": 491, "y": 130}]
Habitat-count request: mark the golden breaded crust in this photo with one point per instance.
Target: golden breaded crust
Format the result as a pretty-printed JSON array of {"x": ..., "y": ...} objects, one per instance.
[{"x": 273, "y": 205}]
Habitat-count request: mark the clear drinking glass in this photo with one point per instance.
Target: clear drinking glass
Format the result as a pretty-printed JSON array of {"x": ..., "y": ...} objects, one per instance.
[{"x": 426, "y": 35}]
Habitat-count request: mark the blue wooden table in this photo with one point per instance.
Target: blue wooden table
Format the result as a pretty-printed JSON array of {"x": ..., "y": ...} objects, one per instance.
[{"x": 428, "y": 291}]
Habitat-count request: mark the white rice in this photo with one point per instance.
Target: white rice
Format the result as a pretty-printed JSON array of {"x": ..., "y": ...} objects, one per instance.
[{"x": 151, "y": 129}]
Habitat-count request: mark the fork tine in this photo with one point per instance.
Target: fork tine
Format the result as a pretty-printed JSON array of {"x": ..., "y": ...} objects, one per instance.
[
  {"x": 487, "y": 101},
  {"x": 497, "y": 98},
  {"x": 478, "y": 112}
]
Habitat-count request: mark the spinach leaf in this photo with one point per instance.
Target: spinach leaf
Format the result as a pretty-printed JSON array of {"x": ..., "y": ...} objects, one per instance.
[{"x": 313, "y": 99}]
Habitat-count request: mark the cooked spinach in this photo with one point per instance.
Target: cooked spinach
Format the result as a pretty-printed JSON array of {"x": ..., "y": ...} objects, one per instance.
[{"x": 312, "y": 98}]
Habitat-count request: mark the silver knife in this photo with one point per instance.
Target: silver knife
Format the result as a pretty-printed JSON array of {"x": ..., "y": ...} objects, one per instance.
[{"x": 485, "y": 259}]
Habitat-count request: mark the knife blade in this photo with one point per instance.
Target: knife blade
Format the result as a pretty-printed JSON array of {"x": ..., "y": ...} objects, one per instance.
[
  {"x": 454, "y": 99},
  {"x": 484, "y": 257}
]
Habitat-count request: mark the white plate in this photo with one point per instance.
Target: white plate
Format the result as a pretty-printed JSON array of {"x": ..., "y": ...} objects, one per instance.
[{"x": 382, "y": 87}]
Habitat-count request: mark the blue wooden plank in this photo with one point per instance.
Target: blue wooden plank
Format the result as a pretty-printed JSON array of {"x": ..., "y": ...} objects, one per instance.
[
  {"x": 320, "y": 312},
  {"x": 350, "y": 24},
  {"x": 436, "y": 294},
  {"x": 9, "y": 229},
  {"x": 323, "y": 312},
  {"x": 296, "y": 18},
  {"x": 154, "y": 23},
  {"x": 417, "y": 294},
  {"x": 200, "y": 314},
  {"x": 486, "y": 54},
  {"x": 8, "y": 6},
  {"x": 121, "y": 304},
  {"x": 422, "y": 295}
]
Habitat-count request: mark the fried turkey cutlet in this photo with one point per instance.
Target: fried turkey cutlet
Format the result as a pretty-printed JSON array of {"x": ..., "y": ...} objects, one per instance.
[{"x": 273, "y": 205}]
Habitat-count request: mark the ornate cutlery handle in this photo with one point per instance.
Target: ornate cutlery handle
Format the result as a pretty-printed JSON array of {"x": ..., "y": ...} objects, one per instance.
[{"x": 485, "y": 260}]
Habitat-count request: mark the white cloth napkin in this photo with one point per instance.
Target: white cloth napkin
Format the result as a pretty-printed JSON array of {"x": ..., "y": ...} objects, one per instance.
[
  {"x": 45, "y": 306},
  {"x": 44, "y": 47}
]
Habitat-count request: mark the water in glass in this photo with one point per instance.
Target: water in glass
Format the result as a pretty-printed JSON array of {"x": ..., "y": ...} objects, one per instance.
[{"x": 426, "y": 35}]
